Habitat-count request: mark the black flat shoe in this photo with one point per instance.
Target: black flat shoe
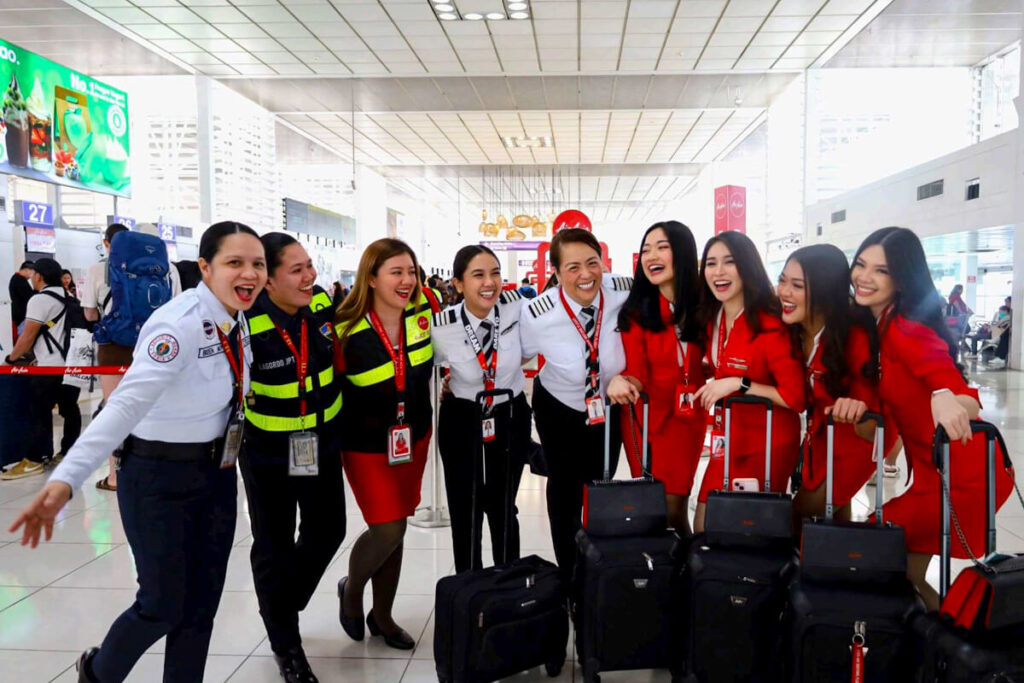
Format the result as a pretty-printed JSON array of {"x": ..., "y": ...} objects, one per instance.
[
  {"x": 353, "y": 625},
  {"x": 82, "y": 665},
  {"x": 294, "y": 668},
  {"x": 400, "y": 640}
]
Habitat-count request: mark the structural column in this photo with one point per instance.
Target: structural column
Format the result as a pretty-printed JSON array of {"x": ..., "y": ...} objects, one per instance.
[{"x": 1017, "y": 328}]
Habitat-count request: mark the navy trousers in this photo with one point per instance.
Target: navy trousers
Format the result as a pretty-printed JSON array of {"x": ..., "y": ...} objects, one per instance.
[{"x": 179, "y": 518}]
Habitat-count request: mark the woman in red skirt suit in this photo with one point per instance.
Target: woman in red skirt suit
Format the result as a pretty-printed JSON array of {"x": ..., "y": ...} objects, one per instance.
[
  {"x": 841, "y": 351},
  {"x": 661, "y": 338},
  {"x": 386, "y": 359},
  {"x": 750, "y": 351},
  {"x": 922, "y": 386}
]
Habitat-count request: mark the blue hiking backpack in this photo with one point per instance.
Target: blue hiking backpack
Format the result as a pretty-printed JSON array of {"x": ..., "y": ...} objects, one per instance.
[{"x": 140, "y": 283}]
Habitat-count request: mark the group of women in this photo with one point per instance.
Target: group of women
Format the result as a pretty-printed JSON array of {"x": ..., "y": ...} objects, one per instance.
[{"x": 257, "y": 364}]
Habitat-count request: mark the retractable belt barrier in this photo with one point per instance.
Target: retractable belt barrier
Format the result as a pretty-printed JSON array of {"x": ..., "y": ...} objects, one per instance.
[{"x": 63, "y": 369}]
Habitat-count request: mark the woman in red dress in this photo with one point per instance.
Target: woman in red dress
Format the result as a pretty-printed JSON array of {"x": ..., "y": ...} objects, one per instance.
[
  {"x": 749, "y": 349},
  {"x": 922, "y": 386},
  {"x": 661, "y": 338},
  {"x": 840, "y": 350}
]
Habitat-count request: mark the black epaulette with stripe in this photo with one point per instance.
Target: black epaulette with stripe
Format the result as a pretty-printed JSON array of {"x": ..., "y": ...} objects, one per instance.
[
  {"x": 509, "y": 295},
  {"x": 445, "y": 317},
  {"x": 621, "y": 283},
  {"x": 541, "y": 305}
]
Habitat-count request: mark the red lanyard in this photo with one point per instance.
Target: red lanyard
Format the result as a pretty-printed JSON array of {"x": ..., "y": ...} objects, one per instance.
[
  {"x": 721, "y": 339},
  {"x": 490, "y": 369},
  {"x": 397, "y": 359},
  {"x": 301, "y": 360},
  {"x": 236, "y": 366},
  {"x": 592, "y": 345},
  {"x": 681, "y": 357}
]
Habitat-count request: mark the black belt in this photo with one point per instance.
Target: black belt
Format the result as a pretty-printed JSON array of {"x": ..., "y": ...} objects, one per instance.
[{"x": 175, "y": 452}]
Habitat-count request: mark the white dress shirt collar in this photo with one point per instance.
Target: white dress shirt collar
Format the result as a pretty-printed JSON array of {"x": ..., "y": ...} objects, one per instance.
[
  {"x": 576, "y": 307},
  {"x": 222, "y": 319},
  {"x": 475, "y": 321}
]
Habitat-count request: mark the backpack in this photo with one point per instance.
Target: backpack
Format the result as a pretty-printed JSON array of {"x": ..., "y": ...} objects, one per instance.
[
  {"x": 74, "y": 318},
  {"x": 140, "y": 283}
]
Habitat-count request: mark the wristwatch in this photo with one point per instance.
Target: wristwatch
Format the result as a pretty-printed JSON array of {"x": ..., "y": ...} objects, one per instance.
[{"x": 745, "y": 385}]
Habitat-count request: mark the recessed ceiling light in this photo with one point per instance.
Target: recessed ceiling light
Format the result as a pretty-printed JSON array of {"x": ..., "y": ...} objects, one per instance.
[
  {"x": 495, "y": 16},
  {"x": 473, "y": 16},
  {"x": 516, "y": 6},
  {"x": 448, "y": 16},
  {"x": 520, "y": 15},
  {"x": 444, "y": 7}
]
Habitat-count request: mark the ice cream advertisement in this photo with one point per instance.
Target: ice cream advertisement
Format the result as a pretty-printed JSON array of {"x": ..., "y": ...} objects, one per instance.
[{"x": 61, "y": 126}]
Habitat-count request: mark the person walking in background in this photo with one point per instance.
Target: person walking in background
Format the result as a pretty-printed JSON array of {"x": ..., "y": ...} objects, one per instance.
[
  {"x": 67, "y": 280},
  {"x": 20, "y": 290},
  {"x": 386, "y": 356},
  {"x": 662, "y": 339},
  {"x": 526, "y": 289}
]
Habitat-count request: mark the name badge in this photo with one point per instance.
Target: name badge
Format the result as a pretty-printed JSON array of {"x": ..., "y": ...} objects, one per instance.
[
  {"x": 717, "y": 445},
  {"x": 684, "y": 400},
  {"x": 232, "y": 442},
  {"x": 595, "y": 411},
  {"x": 488, "y": 429},
  {"x": 400, "y": 445},
  {"x": 303, "y": 454}
]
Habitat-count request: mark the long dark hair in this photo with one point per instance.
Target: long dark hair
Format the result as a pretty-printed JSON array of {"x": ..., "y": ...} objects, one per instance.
[
  {"x": 914, "y": 295},
  {"x": 643, "y": 303},
  {"x": 827, "y": 291},
  {"x": 758, "y": 293}
]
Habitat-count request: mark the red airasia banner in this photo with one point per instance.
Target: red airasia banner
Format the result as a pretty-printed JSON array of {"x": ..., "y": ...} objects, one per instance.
[
  {"x": 571, "y": 218},
  {"x": 730, "y": 208}
]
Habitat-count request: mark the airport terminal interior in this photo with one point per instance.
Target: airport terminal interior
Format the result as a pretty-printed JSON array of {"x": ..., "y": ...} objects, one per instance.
[{"x": 447, "y": 123}]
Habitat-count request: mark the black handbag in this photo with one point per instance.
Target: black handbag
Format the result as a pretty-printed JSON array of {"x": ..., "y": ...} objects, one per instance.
[
  {"x": 625, "y": 507},
  {"x": 748, "y": 518},
  {"x": 854, "y": 552}
]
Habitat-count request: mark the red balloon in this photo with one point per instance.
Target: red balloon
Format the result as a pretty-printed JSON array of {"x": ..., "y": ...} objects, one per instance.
[{"x": 571, "y": 218}]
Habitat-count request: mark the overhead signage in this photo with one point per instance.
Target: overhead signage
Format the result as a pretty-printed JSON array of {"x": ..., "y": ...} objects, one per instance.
[
  {"x": 312, "y": 220},
  {"x": 61, "y": 126},
  {"x": 126, "y": 221},
  {"x": 571, "y": 218},
  {"x": 33, "y": 214},
  {"x": 510, "y": 245},
  {"x": 167, "y": 232},
  {"x": 730, "y": 208}
]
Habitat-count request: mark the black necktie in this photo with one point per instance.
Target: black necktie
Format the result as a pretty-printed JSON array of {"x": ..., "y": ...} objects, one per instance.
[
  {"x": 588, "y": 319},
  {"x": 486, "y": 334}
]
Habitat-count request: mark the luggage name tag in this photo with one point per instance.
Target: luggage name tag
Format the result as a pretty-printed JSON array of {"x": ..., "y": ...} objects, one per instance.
[
  {"x": 684, "y": 400},
  {"x": 400, "y": 445},
  {"x": 232, "y": 441},
  {"x": 303, "y": 454},
  {"x": 595, "y": 411},
  {"x": 488, "y": 429}
]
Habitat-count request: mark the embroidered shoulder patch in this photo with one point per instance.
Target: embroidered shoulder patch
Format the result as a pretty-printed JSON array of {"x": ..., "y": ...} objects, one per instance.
[
  {"x": 445, "y": 317},
  {"x": 163, "y": 348},
  {"x": 541, "y": 305},
  {"x": 509, "y": 295}
]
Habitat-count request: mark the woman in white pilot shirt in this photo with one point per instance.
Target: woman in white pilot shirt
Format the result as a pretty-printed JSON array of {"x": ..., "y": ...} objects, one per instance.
[
  {"x": 568, "y": 394},
  {"x": 177, "y": 410},
  {"x": 478, "y": 339}
]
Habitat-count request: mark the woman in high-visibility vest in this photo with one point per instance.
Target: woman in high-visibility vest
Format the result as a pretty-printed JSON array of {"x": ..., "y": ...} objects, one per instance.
[
  {"x": 387, "y": 363},
  {"x": 290, "y": 457}
]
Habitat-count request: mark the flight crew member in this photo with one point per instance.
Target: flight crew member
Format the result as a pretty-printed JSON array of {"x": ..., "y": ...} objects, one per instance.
[
  {"x": 664, "y": 358},
  {"x": 840, "y": 348},
  {"x": 573, "y": 325},
  {"x": 750, "y": 352},
  {"x": 921, "y": 386},
  {"x": 290, "y": 455},
  {"x": 387, "y": 360},
  {"x": 478, "y": 340},
  {"x": 179, "y": 411}
]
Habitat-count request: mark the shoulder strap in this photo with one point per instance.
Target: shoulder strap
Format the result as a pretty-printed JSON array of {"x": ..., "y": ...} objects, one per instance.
[{"x": 45, "y": 331}]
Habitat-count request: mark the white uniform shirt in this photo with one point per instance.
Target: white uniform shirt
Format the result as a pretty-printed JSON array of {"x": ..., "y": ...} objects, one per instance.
[
  {"x": 453, "y": 348},
  {"x": 43, "y": 308},
  {"x": 546, "y": 329},
  {"x": 178, "y": 389}
]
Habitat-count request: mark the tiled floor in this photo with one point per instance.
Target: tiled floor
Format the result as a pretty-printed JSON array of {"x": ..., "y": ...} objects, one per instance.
[{"x": 60, "y": 598}]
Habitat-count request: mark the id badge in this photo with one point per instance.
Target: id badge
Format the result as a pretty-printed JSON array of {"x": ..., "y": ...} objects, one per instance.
[
  {"x": 488, "y": 429},
  {"x": 684, "y": 401},
  {"x": 595, "y": 411},
  {"x": 303, "y": 454},
  {"x": 232, "y": 443},
  {"x": 400, "y": 445},
  {"x": 717, "y": 445}
]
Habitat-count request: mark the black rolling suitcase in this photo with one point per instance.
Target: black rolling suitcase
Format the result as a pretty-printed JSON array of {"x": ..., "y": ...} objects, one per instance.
[
  {"x": 497, "y": 622},
  {"x": 983, "y": 641},
  {"x": 626, "y": 592},
  {"x": 852, "y": 601},
  {"x": 737, "y": 574}
]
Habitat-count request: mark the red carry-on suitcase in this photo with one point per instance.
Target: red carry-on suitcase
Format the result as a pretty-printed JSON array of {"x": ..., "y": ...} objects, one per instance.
[
  {"x": 737, "y": 573},
  {"x": 627, "y": 597},
  {"x": 851, "y": 603},
  {"x": 978, "y": 634},
  {"x": 496, "y": 622}
]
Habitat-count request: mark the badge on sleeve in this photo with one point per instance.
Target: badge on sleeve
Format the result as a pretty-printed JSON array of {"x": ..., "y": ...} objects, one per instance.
[{"x": 163, "y": 348}]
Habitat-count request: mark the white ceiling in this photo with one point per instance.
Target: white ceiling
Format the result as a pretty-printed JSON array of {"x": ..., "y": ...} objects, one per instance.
[{"x": 404, "y": 37}]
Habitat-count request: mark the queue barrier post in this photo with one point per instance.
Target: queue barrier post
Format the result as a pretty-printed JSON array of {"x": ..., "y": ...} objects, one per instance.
[{"x": 435, "y": 514}]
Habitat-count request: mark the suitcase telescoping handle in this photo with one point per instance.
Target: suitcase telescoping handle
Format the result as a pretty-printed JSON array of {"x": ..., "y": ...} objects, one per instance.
[
  {"x": 645, "y": 463},
  {"x": 878, "y": 451},
  {"x": 754, "y": 400},
  {"x": 478, "y": 462},
  {"x": 940, "y": 454}
]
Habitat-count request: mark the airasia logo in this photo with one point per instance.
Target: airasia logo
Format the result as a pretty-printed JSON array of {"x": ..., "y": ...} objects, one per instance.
[
  {"x": 19, "y": 371},
  {"x": 423, "y": 322},
  {"x": 72, "y": 371}
]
